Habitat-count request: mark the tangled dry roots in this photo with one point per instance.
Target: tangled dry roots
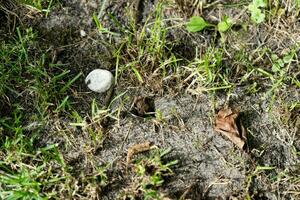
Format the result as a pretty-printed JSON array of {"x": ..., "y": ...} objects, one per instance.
[{"x": 8, "y": 14}]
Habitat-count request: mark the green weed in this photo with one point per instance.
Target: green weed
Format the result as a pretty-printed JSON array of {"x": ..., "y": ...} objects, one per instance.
[
  {"x": 258, "y": 170},
  {"x": 32, "y": 90},
  {"x": 256, "y": 10},
  {"x": 35, "y": 92},
  {"x": 197, "y": 24},
  {"x": 25, "y": 170},
  {"x": 101, "y": 29},
  {"x": 41, "y": 5},
  {"x": 150, "y": 174},
  {"x": 280, "y": 75},
  {"x": 47, "y": 82},
  {"x": 225, "y": 24},
  {"x": 206, "y": 73},
  {"x": 93, "y": 125},
  {"x": 144, "y": 52}
]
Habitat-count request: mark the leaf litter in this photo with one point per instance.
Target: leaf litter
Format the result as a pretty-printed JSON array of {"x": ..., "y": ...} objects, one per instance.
[{"x": 228, "y": 123}]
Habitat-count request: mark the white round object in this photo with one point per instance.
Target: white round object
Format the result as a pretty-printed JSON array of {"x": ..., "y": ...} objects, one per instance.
[
  {"x": 82, "y": 33},
  {"x": 99, "y": 80}
]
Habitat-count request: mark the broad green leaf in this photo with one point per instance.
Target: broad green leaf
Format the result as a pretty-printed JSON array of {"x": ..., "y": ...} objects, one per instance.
[
  {"x": 257, "y": 16},
  {"x": 252, "y": 7},
  {"x": 224, "y": 25},
  {"x": 274, "y": 57},
  {"x": 256, "y": 13},
  {"x": 288, "y": 58},
  {"x": 280, "y": 63},
  {"x": 197, "y": 24}
]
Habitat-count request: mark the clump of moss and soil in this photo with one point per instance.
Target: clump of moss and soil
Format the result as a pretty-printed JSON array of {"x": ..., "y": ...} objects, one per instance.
[{"x": 176, "y": 64}]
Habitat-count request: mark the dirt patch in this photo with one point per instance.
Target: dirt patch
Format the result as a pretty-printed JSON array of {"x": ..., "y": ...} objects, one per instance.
[{"x": 175, "y": 112}]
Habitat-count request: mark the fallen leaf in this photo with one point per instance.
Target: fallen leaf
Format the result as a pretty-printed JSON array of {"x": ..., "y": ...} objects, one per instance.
[
  {"x": 137, "y": 148},
  {"x": 228, "y": 124}
]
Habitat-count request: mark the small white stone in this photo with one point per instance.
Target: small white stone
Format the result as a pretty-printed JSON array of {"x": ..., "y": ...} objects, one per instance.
[
  {"x": 82, "y": 33},
  {"x": 99, "y": 80}
]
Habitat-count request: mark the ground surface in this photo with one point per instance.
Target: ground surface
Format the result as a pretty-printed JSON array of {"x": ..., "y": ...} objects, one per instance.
[{"x": 58, "y": 140}]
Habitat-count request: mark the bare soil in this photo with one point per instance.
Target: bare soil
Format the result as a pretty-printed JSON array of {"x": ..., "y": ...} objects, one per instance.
[{"x": 210, "y": 166}]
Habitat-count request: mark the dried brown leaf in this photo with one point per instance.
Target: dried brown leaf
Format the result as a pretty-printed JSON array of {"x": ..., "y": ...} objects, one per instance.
[{"x": 228, "y": 124}]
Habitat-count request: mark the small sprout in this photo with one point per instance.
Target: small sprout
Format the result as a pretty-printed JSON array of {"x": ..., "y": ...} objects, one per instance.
[
  {"x": 99, "y": 80},
  {"x": 197, "y": 24},
  {"x": 256, "y": 13},
  {"x": 288, "y": 58},
  {"x": 278, "y": 63},
  {"x": 225, "y": 24},
  {"x": 150, "y": 172}
]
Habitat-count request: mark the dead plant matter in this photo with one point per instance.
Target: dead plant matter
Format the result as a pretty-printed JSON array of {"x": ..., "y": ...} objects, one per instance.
[{"x": 228, "y": 124}]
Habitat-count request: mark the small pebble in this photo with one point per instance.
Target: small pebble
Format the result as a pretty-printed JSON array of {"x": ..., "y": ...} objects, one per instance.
[
  {"x": 99, "y": 80},
  {"x": 82, "y": 33}
]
